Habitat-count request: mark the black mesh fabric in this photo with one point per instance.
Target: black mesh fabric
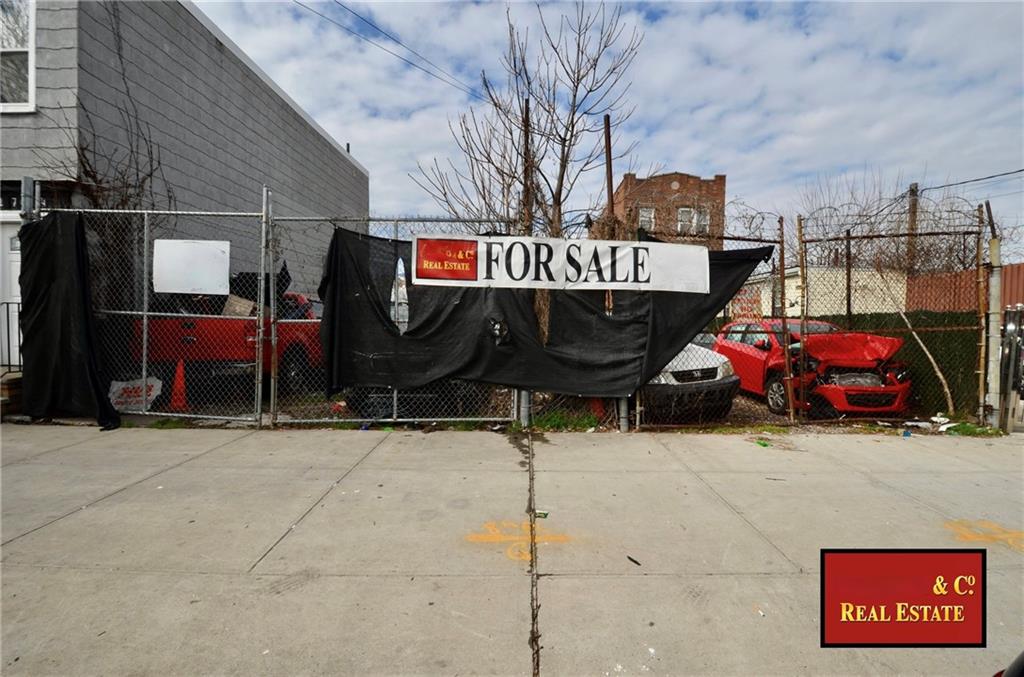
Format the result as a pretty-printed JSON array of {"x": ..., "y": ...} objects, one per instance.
[
  {"x": 451, "y": 332},
  {"x": 62, "y": 364}
]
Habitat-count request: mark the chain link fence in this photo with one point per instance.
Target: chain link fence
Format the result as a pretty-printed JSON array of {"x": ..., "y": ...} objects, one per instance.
[
  {"x": 254, "y": 354},
  {"x": 299, "y": 245},
  {"x": 920, "y": 298}
]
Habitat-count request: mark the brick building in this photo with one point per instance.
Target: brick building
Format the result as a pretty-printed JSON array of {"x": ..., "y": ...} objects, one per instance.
[{"x": 675, "y": 207}]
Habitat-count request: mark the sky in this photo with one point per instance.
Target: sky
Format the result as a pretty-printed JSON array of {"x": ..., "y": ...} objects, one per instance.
[{"x": 773, "y": 95}]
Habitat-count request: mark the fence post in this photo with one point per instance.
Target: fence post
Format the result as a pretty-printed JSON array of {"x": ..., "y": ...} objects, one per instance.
[
  {"x": 801, "y": 366},
  {"x": 995, "y": 305},
  {"x": 272, "y": 266},
  {"x": 787, "y": 379},
  {"x": 525, "y": 397},
  {"x": 145, "y": 312},
  {"x": 979, "y": 262},
  {"x": 623, "y": 414},
  {"x": 260, "y": 300},
  {"x": 394, "y": 313}
]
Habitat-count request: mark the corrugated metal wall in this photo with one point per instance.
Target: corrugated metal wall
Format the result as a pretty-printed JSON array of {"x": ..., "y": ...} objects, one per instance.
[{"x": 1013, "y": 284}]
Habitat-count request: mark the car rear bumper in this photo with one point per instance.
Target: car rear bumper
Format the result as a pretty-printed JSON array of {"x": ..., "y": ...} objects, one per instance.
[{"x": 691, "y": 397}]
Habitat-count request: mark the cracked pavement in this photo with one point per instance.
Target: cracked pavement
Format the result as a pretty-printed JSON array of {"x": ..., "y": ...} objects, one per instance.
[{"x": 369, "y": 552}]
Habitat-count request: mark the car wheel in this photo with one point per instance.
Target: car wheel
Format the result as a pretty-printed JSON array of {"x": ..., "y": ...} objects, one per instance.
[{"x": 775, "y": 394}]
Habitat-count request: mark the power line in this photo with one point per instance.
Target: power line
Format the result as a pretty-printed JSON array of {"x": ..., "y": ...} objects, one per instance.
[
  {"x": 345, "y": 28},
  {"x": 981, "y": 178},
  {"x": 1012, "y": 192},
  {"x": 393, "y": 38}
]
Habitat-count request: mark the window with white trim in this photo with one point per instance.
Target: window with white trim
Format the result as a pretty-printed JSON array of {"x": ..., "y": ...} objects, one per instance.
[
  {"x": 647, "y": 218},
  {"x": 17, "y": 56},
  {"x": 700, "y": 222},
  {"x": 684, "y": 219}
]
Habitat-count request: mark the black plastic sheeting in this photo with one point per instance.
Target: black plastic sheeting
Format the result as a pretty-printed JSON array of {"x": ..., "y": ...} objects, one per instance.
[
  {"x": 63, "y": 372},
  {"x": 492, "y": 335}
]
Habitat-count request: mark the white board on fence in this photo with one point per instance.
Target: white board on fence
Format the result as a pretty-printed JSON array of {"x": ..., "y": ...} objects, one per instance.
[{"x": 191, "y": 266}]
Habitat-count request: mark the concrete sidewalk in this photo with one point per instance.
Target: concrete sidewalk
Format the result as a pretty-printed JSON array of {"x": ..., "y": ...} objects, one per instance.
[{"x": 363, "y": 552}]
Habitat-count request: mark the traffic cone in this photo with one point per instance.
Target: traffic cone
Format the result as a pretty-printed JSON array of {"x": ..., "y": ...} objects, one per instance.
[{"x": 179, "y": 397}]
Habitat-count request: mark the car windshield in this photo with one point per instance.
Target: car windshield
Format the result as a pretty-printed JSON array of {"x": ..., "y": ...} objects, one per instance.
[{"x": 794, "y": 329}]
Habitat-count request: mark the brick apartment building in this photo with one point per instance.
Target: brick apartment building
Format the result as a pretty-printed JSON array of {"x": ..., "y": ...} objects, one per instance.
[{"x": 675, "y": 207}]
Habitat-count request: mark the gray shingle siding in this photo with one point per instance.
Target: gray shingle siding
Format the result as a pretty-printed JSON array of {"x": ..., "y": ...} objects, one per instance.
[
  {"x": 221, "y": 130},
  {"x": 35, "y": 144}
]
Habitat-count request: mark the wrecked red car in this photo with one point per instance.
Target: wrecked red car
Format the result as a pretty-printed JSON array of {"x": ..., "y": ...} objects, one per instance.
[{"x": 844, "y": 373}]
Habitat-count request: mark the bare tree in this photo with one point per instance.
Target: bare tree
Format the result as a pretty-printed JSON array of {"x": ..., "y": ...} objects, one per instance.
[{"x": 540, "y": 127}]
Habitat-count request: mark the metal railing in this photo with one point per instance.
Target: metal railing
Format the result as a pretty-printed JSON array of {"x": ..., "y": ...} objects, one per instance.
[{"x": 10, "y": 349}]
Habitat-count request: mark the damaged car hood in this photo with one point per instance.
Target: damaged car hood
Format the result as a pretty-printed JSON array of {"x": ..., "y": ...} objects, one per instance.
[{"x": 851, "y": 348}]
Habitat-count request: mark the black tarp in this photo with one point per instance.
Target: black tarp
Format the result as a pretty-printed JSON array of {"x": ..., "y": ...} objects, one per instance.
[
  {"x": 452, "y": 330},
  {"x": 63, "y": 371}
]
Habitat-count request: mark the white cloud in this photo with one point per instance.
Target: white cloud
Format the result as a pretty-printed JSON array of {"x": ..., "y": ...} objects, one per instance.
[{"x": 928, "y": 92}]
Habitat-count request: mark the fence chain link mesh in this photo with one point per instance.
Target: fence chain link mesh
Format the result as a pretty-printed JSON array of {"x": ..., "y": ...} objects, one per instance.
[
  {"x": 301, "y": 243},
  {"x": 200, "y": 355},
  {"x": 927, "y": 290}
]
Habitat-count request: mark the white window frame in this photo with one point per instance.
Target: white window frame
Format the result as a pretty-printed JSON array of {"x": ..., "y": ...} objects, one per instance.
[
  {"x": 640, "y": 218},
  {"x": 30, "y": 105},
  {"x": 684, "y": 227},
  {"x": 701, "y": 222}
]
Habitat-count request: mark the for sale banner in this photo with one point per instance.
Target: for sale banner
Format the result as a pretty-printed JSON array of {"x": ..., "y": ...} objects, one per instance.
[
  {"x": 543, "y": 263},
  {"x": 908, "y": 598}
]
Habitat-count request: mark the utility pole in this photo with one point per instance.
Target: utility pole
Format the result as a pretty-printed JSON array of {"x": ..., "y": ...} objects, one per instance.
[
  {"x": 526, "y": 208},
  {"x": 912, "y": 229},
  {"x": 608, "y": 162},
  {"x": 609, "y": 302}
]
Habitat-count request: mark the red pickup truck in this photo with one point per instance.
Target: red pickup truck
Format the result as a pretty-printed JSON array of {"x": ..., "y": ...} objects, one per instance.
[{"x": 214, "y": 346}]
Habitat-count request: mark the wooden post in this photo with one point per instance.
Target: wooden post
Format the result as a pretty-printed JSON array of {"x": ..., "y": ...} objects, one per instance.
[
  {"x": 912, "y": 230},
  {"x": 849, "y": 282},
  {"x": 787, "y": 379}
]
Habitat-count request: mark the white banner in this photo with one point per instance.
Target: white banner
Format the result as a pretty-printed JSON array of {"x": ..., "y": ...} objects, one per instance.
[
  {"x": 128, "y": 394},
  {"x": 547, "y": 263}
]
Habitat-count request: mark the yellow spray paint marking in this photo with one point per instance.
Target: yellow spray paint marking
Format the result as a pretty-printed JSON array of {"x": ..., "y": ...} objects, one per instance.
[
  {"x": 517, "y": 535},
  {"x": 984, "y": 531}
]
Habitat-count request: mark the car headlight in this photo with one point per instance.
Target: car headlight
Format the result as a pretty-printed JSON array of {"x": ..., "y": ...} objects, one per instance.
[
  {"x": 725, "y": 369},
  {"x": 662, "y": 379}
]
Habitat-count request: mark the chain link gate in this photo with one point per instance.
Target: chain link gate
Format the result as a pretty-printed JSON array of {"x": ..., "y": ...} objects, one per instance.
[{"x": 181, "y": 355}]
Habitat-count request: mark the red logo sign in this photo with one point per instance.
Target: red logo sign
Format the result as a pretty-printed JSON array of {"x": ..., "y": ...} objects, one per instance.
[
  {"x": 446, "y": 259},
  {"x": 903, "y": 598}
]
